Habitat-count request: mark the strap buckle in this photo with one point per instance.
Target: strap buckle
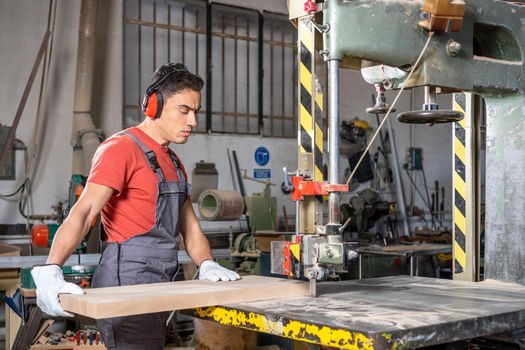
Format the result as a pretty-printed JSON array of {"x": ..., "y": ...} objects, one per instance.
[{"x": 152, "y": 160}]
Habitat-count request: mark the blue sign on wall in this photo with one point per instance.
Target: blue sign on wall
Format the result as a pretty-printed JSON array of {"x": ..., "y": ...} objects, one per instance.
[
  {"x": 262, "y": 173},
  {"x": 262, "y": 156}
]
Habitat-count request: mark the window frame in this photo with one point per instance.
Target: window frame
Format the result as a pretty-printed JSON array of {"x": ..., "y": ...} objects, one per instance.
[{"x": 206, "y": 118}]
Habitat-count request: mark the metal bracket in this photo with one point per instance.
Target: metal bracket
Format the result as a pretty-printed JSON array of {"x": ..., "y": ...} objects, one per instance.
[
  {"x": 321, "y": 28},
  {"x": 303, "y": 188}
]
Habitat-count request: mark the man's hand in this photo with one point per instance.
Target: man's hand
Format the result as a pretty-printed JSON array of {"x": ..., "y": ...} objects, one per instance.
[
  {"x": 214, "y": 272},
  {"x": 50, "y": 282}
]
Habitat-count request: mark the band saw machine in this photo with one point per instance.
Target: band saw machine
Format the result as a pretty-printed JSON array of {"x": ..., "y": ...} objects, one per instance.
[{"x": 472, "y": 48}]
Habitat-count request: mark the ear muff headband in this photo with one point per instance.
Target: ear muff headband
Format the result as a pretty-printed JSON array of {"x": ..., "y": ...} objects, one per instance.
[{"x": 153, "y": 101}]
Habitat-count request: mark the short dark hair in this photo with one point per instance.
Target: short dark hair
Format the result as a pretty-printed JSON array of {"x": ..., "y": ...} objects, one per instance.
[{"x": 179, "y": 78}]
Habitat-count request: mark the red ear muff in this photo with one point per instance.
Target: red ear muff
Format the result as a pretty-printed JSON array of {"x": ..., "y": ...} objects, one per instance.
[{"x": 154, "y": 104}]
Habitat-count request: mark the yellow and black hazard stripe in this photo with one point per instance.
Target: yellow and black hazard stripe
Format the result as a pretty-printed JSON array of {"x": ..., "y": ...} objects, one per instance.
[
  {"x": 460, "y": 187},
  {"x": 289, "y": 328},
  {"x": 310, "y": 101}
]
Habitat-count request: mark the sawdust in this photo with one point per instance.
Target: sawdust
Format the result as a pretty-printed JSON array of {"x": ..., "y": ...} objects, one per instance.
[{"x": 495, "y": 283}]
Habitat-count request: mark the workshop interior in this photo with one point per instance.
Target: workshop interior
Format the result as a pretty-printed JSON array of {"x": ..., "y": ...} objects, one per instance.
[{"x": 372, "y": 149}]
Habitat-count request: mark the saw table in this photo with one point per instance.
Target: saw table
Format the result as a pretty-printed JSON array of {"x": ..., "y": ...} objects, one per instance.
[{"x": 397, "y": 312}]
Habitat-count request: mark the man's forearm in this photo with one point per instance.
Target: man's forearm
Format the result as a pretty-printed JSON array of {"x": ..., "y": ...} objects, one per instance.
[
  {"x": 195, "y": 241},
  {"x": 198, "y": 249},
  {"x": 67, "y": 239},
  {"x": 78, "y": 222}
]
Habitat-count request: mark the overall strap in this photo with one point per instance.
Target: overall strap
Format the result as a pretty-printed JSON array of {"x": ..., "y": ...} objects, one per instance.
[
  {"x": 149, "y": 154},
  {"x": 176, "y": 162}
]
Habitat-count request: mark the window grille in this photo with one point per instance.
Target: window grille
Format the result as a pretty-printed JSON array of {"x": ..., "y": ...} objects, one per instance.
[{"x": 252, "y": 78}]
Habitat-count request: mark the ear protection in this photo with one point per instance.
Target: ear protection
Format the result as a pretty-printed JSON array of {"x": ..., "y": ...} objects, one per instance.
[{"x": 153, "y": 101}]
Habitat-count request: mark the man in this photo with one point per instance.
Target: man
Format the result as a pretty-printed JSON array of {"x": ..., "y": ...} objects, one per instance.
[{"x": 141, "y": 188}]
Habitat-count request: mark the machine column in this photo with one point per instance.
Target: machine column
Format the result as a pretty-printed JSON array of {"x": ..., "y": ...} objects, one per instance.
[
  {"x": 505, "y": 195},
  {"x": 466, "y": 183},
  {"x": 310, "y": 132},
  {"x": 334, "y": 215}
]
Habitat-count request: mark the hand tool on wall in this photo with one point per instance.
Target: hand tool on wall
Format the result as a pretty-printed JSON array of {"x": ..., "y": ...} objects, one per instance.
[
  {"x": 433, "y": 206},
  {"x": 442, "y": 205},
  {"x": 436, "y": 189}
]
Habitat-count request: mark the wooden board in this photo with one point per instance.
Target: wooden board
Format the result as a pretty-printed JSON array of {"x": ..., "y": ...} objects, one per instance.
[{"x": 147, "y": 298}]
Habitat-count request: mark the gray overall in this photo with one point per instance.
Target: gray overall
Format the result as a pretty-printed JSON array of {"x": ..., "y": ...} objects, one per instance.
[{"x": 150, "y": 257}]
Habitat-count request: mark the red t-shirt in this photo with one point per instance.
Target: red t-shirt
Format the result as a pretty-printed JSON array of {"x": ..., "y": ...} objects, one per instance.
[{"x": 119, "y": 163}]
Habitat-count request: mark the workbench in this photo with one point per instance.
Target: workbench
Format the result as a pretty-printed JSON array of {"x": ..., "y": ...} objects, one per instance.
[{"x": 397, "y": 312}]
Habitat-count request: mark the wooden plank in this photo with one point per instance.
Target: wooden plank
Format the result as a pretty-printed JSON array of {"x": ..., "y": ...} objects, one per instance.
[{"x": 147, "y": 298}]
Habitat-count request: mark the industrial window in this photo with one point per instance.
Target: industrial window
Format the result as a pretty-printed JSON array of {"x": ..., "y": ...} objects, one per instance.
[
  {"x": 157, "y": 32},
  {"x": 234, "y": 69},
  {"x": 251, "y": 77},
  {"x": 280, "y": 77}
]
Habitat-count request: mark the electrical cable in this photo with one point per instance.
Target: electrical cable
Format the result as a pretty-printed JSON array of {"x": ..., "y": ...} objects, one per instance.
[
  {"x": 12, "y": 194},
  {"x": 425, "y": 183},
  {"x": 172, "y": 314},
  {"x": 430, "y": 35},
  {"x": 428, "y": 198},
  {"x": 414, "y": 185},
  {"x": 418, "y": 191},
  {"x": 426, "y": 187},
  {"x": 427, "y": 203},
  {"x": 23, "y": 202}
]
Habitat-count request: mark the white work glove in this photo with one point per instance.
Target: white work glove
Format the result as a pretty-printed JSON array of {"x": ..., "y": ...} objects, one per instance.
[
  {"x": 50, "y": 282},
  {"x": 214, "y": 272}
]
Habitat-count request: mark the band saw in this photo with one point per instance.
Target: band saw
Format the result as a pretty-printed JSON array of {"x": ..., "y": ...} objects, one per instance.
[{"x": 469, "y": 48}]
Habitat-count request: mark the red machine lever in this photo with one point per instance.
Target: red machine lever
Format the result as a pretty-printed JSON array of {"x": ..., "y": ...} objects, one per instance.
[{"x": 303, "y": 188}]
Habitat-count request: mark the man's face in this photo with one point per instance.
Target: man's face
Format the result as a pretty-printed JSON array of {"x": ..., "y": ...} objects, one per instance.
[{"x": 179, "y": 115}]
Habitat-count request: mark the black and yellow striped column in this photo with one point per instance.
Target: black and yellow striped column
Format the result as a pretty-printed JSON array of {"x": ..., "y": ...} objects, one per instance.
[
  {"x": 310, "y": 138},
  {"x": 465, "y": 194}
]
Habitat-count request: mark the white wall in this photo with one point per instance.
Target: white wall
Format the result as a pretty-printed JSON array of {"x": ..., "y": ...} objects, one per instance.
[
  {"x": 212, "y": 148},
  {"x": 22, "y": 24},
  {"x": 22, "y": 27}
]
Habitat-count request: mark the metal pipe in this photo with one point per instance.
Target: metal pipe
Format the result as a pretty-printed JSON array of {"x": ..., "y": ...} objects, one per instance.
[
  {"x": 400, "y": 193},
  {"x": 248, "y": 73},
  {"x": 85, "y": 55},
  {"x": 271, "y": 82},
  {"x": 238, "y": 172},
  {"x": 260, "y": 74},
  {"x": 297, "y": 218},
  {"x": 83, "y": 127},
  {"x": 235, "y": 75},
  {"x": 209, "y": 101},
  {"x": 430, "y": 94},
  {"x": 333, "y": 140}
]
